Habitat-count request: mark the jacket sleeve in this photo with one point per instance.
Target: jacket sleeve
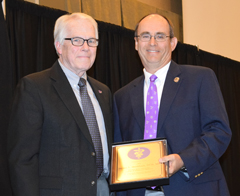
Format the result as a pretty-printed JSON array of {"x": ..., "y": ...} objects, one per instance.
[
  {"x": 24, "y": 136},
  {"x": 206, "y": 149},
  {"x": 117, "y": 132}
]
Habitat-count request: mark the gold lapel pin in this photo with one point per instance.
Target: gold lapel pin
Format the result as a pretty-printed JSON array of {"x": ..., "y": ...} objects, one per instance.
[{"x": 176, "y": 79}]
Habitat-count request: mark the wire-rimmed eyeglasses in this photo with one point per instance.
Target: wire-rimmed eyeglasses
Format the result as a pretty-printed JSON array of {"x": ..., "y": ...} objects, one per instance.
[
  {"x": 159, "y": 37},
  {"x": 78, "y": 41}
]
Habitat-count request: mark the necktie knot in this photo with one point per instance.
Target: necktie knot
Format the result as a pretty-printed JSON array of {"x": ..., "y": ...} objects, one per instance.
[
  {"x": 82, "y": 82},
  {"x": 153, "y": 78}
]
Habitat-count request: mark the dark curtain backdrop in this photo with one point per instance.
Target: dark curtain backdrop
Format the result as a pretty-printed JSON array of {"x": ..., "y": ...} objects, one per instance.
[
  {"x": 30, "y": 30},
  {"x": 6, "y": 88}
]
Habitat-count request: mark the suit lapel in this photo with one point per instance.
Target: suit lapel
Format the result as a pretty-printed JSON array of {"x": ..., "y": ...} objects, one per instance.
[
  {"x": 136, "y": 96},
  {"x": 68, "y": 97},
  {"x": 99, "y": 95},
  {"x": 171, "y": 86}
]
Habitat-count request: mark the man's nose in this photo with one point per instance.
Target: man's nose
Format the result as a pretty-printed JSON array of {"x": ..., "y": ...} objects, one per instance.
[
  {"x": 152, "y": 41},
  {"x": 85, "y": 45}
]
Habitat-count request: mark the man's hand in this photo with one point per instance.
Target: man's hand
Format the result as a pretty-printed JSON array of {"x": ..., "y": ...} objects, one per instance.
[{"x": 175, "y": 163}]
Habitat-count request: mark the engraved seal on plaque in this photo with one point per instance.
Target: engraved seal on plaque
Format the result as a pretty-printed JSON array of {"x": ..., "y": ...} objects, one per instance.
[{"x": 139, "y": 153}]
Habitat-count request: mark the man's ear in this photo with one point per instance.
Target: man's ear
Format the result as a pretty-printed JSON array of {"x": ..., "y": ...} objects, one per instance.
[
  {"x": 136, "y": 43},
  {"x": 173, "y": 43},
  {"x": 58, "y": 47}
]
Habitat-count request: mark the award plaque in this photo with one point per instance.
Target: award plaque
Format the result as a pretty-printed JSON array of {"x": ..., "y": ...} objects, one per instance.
[{"x": 136, "y": 164}]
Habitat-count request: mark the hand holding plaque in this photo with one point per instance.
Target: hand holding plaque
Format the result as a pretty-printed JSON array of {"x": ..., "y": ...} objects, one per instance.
[{"x": 136, "y": 164}]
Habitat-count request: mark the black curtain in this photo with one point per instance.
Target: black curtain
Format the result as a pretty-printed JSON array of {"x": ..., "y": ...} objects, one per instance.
[
  {"x": 5, "y": 96},
  {"x": 30, "y": 29}
]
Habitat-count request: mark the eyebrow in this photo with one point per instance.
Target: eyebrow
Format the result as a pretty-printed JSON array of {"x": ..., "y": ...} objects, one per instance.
[{"x": 146, "y": 32}]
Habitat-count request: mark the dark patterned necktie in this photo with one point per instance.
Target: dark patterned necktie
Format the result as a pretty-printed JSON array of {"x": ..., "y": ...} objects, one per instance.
[
  {"x": 151, "y": 116},
  {"x": 91, "y": 121}
]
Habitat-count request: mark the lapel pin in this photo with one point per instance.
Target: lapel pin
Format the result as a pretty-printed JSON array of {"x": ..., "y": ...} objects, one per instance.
[
  {"x": 99, "y": 91},
  {"x": 176, "y": 79}
]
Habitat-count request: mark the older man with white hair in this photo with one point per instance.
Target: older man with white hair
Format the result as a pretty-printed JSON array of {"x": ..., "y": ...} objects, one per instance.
[{"x": 61, "y": 124}]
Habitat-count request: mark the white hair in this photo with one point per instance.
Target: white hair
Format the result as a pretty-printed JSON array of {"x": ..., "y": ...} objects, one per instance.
[{"x": 60, "y": 29}]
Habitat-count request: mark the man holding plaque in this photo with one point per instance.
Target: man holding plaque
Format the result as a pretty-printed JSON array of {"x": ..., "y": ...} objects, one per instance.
[{"x": 181, "y": 103}]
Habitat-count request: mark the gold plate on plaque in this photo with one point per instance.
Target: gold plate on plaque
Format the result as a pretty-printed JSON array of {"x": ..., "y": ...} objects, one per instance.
[{"x": 134, "y": 162}]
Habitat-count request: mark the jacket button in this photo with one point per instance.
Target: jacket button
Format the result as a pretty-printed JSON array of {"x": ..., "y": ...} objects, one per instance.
[
  {"x": 196, "y": 176},
  {"x": 93, "y": 154},
  {"x": 92, "y": 183}
]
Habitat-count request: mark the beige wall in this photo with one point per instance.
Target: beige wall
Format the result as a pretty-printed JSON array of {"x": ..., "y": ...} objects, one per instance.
[{"x": 213, "y": 25}]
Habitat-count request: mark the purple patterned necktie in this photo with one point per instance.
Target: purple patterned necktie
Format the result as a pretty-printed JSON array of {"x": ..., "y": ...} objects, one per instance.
[
  {"x": 90, "y": 117},
  {"x": 151, "y": 116}
]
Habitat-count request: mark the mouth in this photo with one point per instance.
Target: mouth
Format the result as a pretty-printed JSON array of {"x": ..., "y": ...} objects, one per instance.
[
  {"x": 83, "y": 56},
  {"x": 153, "y": 51}
]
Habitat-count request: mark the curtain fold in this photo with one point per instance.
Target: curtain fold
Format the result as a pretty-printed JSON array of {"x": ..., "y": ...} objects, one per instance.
[
  {"x": 30, "y": 29},
  {"x": 117, "y": 62},
  {"x": 6, "y": 89}
]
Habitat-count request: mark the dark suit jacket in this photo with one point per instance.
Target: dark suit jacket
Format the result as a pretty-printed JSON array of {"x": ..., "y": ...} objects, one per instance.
[
  {"x": 192, "y": 117},
  {"x": 49, "y": 144}
]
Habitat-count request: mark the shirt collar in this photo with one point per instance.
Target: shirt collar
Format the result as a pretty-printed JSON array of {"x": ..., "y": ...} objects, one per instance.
[
  {"x": 161, "y": 73},
  {"x": 72, "y": 77}
]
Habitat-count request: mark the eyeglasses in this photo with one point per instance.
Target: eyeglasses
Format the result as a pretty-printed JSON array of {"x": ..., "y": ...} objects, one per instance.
[
  {"x": 159, "y": 37},
  {"x": 78, "y": 41}
]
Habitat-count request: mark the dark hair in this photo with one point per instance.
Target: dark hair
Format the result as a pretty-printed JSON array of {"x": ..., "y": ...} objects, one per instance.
[{"x": 169, "y": 23}]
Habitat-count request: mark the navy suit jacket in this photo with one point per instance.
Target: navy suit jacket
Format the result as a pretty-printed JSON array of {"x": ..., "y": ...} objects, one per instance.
[
  {"x": 192, "y": 117},
  {"x": 49, "y": 145}
]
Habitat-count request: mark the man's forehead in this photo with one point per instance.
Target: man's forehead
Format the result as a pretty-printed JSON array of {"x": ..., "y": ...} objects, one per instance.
[
  {"x": 79, "y": 22},
  {"x": 153, "y": 28},
  {"x": 153, "y": 19},
  {"x": 82, "y": 26}
]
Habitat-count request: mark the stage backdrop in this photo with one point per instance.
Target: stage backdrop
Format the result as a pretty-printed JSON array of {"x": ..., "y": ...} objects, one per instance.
[{"x": 30, "y": 30}]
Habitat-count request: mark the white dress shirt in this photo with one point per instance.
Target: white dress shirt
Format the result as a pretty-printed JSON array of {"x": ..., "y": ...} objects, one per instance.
[{"x": 161, "y": 76}]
